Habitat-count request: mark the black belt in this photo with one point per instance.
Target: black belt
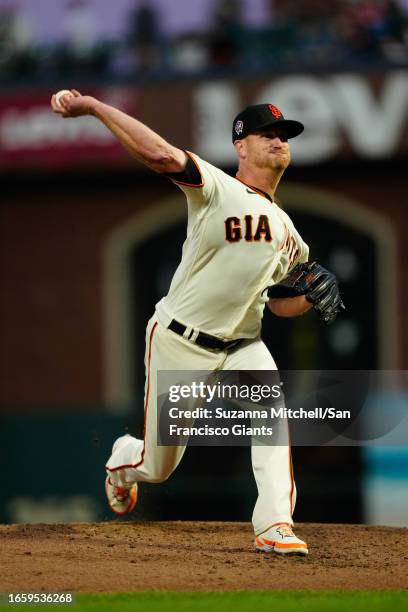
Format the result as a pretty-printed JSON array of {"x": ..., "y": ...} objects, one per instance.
[{"x": 204, "y": 340}]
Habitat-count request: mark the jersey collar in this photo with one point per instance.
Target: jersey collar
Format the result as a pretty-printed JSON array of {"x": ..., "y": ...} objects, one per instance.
[{"x": 256, "y": 189}]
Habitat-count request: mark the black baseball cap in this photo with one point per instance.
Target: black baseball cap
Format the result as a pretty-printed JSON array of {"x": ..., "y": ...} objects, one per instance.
[{"x": 259, "y": 116}]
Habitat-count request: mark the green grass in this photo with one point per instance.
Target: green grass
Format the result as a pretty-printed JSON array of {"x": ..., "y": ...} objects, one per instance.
[{"x": 235, "y": 601}]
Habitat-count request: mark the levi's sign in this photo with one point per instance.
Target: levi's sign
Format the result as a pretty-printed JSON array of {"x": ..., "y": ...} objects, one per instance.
[{"x": 344, "y": 115}]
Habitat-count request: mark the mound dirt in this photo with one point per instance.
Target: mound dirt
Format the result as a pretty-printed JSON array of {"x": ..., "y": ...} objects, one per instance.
[{"x": 196, "y": 556}]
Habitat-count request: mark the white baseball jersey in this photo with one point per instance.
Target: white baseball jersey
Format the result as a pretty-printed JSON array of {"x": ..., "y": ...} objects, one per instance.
[{"x": 238, "y": 243}]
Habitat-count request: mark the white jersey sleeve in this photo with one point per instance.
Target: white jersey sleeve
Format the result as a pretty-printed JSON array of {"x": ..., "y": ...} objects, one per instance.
[{"x": 203, "y": 185}]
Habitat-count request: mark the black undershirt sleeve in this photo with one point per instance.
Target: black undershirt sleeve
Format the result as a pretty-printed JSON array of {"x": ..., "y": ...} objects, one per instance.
[{"x": 189, "y": 176}]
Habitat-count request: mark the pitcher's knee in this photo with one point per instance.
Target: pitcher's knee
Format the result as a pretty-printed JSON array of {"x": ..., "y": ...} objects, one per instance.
[{"x": 160, "y": 475}]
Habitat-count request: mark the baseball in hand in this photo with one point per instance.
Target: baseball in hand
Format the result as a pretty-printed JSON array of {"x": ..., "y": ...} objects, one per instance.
[{"x": 60, "y": 94}]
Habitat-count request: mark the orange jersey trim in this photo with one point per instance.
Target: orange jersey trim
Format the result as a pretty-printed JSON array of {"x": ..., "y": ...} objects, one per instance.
[{"x": 292, "y": 478}]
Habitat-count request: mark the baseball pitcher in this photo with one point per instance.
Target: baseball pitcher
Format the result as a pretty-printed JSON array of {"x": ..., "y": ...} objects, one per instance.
[{"x": 241, "y": 252}]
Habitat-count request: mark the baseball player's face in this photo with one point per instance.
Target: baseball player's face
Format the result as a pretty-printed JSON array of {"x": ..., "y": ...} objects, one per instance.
[{"x": 267, "y": 148}]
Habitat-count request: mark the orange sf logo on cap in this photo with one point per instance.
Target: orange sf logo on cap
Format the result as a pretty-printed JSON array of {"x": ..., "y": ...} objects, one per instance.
[{"x": 275, "y": 111}]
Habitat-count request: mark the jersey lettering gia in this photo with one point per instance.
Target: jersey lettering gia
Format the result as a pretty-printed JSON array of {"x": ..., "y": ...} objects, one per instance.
[{"x": 238, "y": 243}]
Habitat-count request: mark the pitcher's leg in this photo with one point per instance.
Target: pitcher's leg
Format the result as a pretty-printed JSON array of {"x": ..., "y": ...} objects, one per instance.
[
  {"x": 144, "y": 460},
  {"x": 126, "y": 450},
  {"x": 135, "y": 460},
  {"x": 272, "y": 464}
]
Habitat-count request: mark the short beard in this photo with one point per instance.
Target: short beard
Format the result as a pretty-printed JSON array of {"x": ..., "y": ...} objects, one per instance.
[{"x": 281, "y": 164}]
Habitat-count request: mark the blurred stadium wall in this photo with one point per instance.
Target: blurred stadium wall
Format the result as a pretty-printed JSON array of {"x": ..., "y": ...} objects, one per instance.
[{"x": 89, "y": 241}]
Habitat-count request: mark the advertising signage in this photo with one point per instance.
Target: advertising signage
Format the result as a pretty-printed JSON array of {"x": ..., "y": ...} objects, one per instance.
[{"x": 347, "y": 115}]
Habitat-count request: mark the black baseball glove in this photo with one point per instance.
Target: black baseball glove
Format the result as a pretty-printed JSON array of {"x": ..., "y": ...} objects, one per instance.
[{"x": 318, "y": 285}]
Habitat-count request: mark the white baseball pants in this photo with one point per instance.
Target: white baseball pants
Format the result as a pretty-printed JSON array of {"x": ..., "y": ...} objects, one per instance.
[{"x": 134, "y": 460}]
